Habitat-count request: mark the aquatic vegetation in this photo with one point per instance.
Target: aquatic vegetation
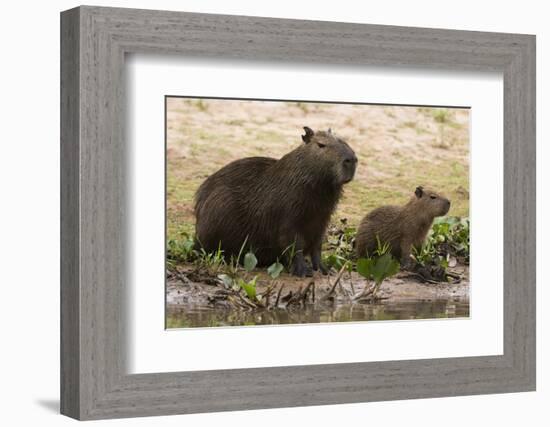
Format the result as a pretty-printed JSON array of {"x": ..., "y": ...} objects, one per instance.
[{"x": 376, "y": 267}]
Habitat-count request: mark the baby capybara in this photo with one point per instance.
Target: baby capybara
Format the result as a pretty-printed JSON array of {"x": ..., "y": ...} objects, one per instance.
[
  {"x": 276, "y": 204},
  {"x": 402, "y": 227}
]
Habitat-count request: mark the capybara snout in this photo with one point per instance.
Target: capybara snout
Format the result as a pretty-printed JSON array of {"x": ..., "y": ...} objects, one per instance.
[{"x": 348, "y": 168}]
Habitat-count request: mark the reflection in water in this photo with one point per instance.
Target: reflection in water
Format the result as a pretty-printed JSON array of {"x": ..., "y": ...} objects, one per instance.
[{"x": 201, "y": 316}]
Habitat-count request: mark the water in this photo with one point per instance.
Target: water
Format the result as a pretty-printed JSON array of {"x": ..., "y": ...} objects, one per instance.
[{"x": 190, "y": 316}]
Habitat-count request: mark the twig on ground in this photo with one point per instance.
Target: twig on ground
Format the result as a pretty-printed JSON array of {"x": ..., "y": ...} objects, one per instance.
[
  {"x": 367, "y": 290},
  {"x": 306, "y": 292},
  {"x": 237, "y": 302},
  {"x": 279, "y": 295},
  {"x": 287, "y": 297},
  {"x": 246, "y": 301},
  {"x": 180, "y": 276},
  {"x": 336, "y": 281},
  {"x": 456, "y": 278},
  {"x": 294, "y": 297},
  {"x": 344, "y": 291},
  {"x": 266, "y": 295},
  {"x": 351, "y": 282}
]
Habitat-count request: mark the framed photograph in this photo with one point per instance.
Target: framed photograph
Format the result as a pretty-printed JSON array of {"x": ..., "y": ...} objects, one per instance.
[
  {"x": 206, "y": 231},
  {"x": 261, "y": 213}
]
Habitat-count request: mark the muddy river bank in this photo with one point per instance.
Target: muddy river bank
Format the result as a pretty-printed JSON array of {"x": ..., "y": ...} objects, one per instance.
[{"x": 198, "y": 302}]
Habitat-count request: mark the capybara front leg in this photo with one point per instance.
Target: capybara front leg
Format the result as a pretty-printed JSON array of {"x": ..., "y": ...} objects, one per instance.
[
  {"x": 316, "y": 262},
  {"x": 406, "y": 261},
  {"x": 299, "y": 266}
]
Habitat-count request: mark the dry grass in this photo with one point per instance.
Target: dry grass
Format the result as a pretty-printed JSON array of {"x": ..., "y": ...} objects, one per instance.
[{"x": 398, "y": 148}]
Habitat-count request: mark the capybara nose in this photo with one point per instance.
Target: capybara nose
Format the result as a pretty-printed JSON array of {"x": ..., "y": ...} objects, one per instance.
[
  {"x": 350, "y": 160},
  {"x": 448, "y": 203}
]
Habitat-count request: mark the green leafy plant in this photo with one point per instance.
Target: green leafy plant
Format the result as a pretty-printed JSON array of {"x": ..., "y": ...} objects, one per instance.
[
  {"x": 447, "y": 241},
  {"x": 275, "y": 269},
  {"x": 211, "y": 262},
  {"x": 250, "y": 261},
  {"x": 226, "y": 279},
  {"x": 425, "y": 254},
  {"x": 288, "y": 254},
  {"x": 232, "y": 268},
  {"x": 340, "y": 240},
  {"x": 232, "y": 278},
  {"x": 377, "y": 267},
  {"x": 180, "y": 250},
  {"x": 451, "y": 236},
  {"x": 249, "y": 287},
  {"x": 336, "y": 261}
]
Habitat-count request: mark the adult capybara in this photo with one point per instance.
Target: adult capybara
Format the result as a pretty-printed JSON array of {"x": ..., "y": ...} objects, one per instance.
[
  {"x": 402, "y": 227},
  {"x": 276, "y": 204}
]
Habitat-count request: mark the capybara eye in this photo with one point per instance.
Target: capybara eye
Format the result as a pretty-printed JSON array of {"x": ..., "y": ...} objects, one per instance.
[
  {"x": 321, "y": 145},
  {"x": 433, "y": 197}
]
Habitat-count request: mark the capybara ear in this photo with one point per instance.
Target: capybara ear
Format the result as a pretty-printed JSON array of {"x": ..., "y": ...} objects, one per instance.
[
  {"x": 309, "y": 134},
  {"x": 419, "y": 191},
  {"x": 329, "y": 131}
]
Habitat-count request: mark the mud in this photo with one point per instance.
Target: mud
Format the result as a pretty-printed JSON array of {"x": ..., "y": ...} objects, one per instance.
[{"x": 205, "y": 303}]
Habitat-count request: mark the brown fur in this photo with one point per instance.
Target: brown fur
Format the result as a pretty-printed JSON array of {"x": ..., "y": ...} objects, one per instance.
[
  {"x": 274, "y": 204},
  {"x": 402, "y": 227}
]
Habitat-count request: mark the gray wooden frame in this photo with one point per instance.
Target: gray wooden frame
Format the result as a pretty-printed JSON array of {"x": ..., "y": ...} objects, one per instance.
[{"x": 94, "y": 41}]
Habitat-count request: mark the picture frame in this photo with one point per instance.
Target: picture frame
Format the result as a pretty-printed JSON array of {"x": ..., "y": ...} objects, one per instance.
[{"x": 94, "y": 381}]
